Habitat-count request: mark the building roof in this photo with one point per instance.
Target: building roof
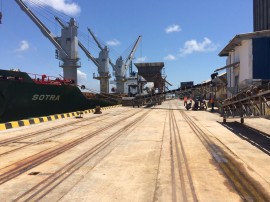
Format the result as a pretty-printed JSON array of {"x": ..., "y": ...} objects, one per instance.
[{"x": 236, "y": 41}]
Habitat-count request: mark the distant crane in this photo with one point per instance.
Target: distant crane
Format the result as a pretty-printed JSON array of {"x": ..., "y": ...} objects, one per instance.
[
  {"x": 103, "y": 68},
  {"x": 121, "y": 66},
  {"x": 66, "y": 44}
]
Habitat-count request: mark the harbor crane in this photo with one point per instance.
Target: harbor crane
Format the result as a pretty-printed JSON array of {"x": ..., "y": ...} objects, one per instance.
[
  {"x": 120, "y": 67},
  {"x": 100, "y": 62},
  {"x": 103, "y": 69},
  {"x": 66, "y": 44}
]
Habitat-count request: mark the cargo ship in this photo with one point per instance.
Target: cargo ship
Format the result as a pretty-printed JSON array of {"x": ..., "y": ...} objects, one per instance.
[{"x": 24, "y": 95}]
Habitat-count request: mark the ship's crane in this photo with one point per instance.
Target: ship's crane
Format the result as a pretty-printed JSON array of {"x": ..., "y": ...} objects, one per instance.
[
  {"x": 103, "y": 69},
  {"x": 100, "y": 47},
  {"x": 121, "y": 66},
  {"x": 104, "y": 85},
  {"x": 66, "y": 44}
]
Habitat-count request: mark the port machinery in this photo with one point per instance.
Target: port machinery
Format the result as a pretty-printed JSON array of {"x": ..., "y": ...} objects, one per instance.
[
  {"x": 152, "y": 99},
  {"x": 253, "y": 102}
]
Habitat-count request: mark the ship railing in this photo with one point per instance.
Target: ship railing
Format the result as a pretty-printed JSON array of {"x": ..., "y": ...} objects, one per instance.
[{"x": 50, "y": 80}]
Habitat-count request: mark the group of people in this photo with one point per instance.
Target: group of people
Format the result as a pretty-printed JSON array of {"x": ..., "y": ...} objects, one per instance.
[{"x": 198, "y": 104}]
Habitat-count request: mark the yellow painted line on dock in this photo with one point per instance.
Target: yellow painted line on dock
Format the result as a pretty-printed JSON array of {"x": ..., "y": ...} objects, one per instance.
[
  {"x": 45, "y": 119},
  {"x": 14, "y": 124},
  {"x": 36, "y": 120},
  {"x": 2, "y": 127},
  {"x": 28, "y": 122}
]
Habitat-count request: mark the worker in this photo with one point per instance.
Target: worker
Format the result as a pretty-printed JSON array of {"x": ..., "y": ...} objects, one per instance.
[
  {"x": 212, "y": 102},
  {"x": 203, "y": 105},
  {"x": 196, "y": 104},
  {"x": 185, "y": 100},
  {"x": 43, "y": 77},
  {"x": 188, "y": 106}
]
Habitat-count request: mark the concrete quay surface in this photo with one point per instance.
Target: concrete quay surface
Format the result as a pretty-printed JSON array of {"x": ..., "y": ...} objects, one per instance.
[{"x": 162, "y": 153}]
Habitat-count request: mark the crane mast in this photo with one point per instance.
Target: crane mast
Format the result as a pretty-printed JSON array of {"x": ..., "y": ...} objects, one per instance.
[
  {"x": 87, "y": 53},
  {"x": 66, "y": 44},
  {"x": 103, "y": 69},
  {"x": 100, "y": 47},
  {"x": 99, "y": 62},
  {"x": 95, "y": 39},
  {"x": 121, "y": 67},
  {"x": 132, "y": 52}
]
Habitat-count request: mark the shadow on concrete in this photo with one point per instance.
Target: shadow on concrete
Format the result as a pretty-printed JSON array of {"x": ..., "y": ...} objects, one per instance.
[{"x": 255, "y": 137}]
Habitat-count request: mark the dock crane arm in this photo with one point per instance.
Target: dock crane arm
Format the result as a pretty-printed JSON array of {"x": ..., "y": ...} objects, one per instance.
[
  {"x": 100, "y": 47},
  {"x": 129, "y": 58},
  {"x": 92, "y": 34},
  {"x": 41, "y": 26},
  {"x": 113, "y": 65},
  {"x": 87, "y": 53},
  {"x": 60, "y": 22}
]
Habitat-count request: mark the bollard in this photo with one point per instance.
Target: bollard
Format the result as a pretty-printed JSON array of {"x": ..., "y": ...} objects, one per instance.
[{"x": 97, "y": 110}]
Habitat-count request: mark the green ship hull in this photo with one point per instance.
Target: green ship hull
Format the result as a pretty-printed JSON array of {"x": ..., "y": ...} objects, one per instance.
[{"x": 22, "y": 98}]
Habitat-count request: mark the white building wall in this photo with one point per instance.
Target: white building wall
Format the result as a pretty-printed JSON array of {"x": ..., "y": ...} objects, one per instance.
[
  {"x": 242, "y": 54},
  {"x": 246, "y": 61}
]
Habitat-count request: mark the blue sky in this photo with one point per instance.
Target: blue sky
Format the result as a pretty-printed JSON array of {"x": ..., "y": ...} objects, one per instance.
[{"x": 186, "y": 35}]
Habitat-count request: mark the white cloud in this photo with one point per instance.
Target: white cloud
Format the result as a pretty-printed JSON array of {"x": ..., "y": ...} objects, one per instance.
[
  {"x": 82, "y": 77},
  {"x": 194, "y": 46},
  {"x": 173, "y": 28},
  {"x": 142, "y": 59},
  {"x": 24, "y": 46},
  {"x": 113, "y": 42},
  {"x": 64, "y": 6},
  {"x": 170, "y": 57}
]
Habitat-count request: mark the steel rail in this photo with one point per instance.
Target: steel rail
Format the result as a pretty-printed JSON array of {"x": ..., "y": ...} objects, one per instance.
[
  {"x": 186, "y": 181},
  {"x": 44, "y": 187},
  {"x": 40, "y": 132},
  {"x": 11, "y": 140},
  {"x": 244, "y": 185},
  {"x": 155, "y": 195},
  {"x": 24, "y": 165}
]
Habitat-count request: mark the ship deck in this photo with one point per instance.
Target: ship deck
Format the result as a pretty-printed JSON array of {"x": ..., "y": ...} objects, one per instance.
[{"x": 161, "y": 153}]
